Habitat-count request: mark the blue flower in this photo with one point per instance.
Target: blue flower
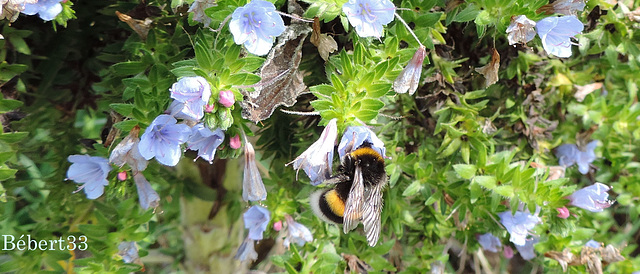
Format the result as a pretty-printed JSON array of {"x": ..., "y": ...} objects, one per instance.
[
  {"x": 556, "y": 34},
  {"x": 570, "y": 154},
  {"x": 593, "y": 198},
  {"x": 297, "y": 233},
  {"x": 409, "y": 78},
  {"x": 252, "y": 185},
  {"x": 128, "y": 251},
  {"x": 205, "y": 141},
  {"x": 489, "y": 242},
  {"x": 316, "y": 160},
  {"x": 593, "y": 244},
  {"x": 126, "y": 152},
  {"x": 368, "y": 16},
  {"x": 256, "y": 220},
  {"x": 518, "y": 225},
  {"x": 194, "y": 93},
  {"x": 355, "y": 136},
  {"x": 526, "y": 251},
  {"x": 91, "y": 172},
  {"x": 146, "y": 195},
  {"x": 162, "y": 139},
  {"x": 246, "y": 251},
  {"x": 177, "y": 109},
  {"x": 46, "y": 9},
  {"x": 256, "y": 25}
]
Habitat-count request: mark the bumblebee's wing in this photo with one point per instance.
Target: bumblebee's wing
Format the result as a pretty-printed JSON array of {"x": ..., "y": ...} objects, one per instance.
[
  {"x": 371, "y": 210},
  {"x": 352, "y": 209}
]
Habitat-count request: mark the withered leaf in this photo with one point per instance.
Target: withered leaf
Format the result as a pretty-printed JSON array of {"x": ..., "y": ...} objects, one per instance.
[
  {"x": 583, "y": 91},
  {"x": 281, "y": 81},
  {"x": 564, "y": 258},
  {"x": 592, "y": 258},
  {"x": 141, "y": 27},
  {"x": 490, "y": 70},
  {"x": 355, "y": 264},
  {"x": 325, "y": 43}
]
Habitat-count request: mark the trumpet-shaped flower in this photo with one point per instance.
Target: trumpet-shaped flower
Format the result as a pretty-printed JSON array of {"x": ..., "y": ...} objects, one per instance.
[
  {"x": 246, "y": 251},
  {"x": 409, "y": 78},
  {"x": 355, "y": 136},
  {"x": 316, "y": 160},
  {"x": 162, "y": 140},
  {"x": 593, "y": 198},
  {"x": 526, "y": 251},
  {"x": 518, "y": 225},
  {"x": 556, "y": 34},
  {"x": 489, "y": 242},
  {"x": 368, "y": 16},
  {"x": 566, "y": 7},
  {"x": 205, "y": 141},
  {"x": 146, "y": 195},
  {"x": 194, "y": 93},
  {"x": 256, "y": 25},
  {"x": 126, "y": 152},
  {"x": 198, "y": 7},
  {"x": 177, "y": 109},
  {"x": 570, "y": 154},
  {"x": 129, "y": 252},
  {"x": 46, "y": 9},
  {"x": 252, "y": 185},
  {"x": 256, "y": 220},
  {"x": 227, "y": 98},
  {"x": 521, "y": 30},
  {"x": 296, "y": 233},
  {"x": 91, "y": 172}
]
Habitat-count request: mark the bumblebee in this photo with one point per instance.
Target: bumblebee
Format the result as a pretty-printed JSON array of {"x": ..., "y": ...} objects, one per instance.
[{"x": 356, "y": 195}]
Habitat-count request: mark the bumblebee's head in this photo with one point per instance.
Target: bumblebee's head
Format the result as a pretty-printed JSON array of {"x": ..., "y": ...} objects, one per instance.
[{"x": 370, "y": 162}]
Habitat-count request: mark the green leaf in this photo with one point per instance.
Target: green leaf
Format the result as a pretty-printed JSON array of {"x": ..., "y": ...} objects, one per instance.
[
  {"x": 467, "y": 14},
  {"x": 488, "y": 182},
  {"x": 203, "y": 56},
  {"x": 13, "y": 137},
  {"x": 7, "y": 173},
  {"x": 465, "y": 171},
  {"x": 124, "y": 109},
  {"x": 7, "y": 105},
  {"x": 128, "y": 68},
  {"x": 412, "y": 189}
]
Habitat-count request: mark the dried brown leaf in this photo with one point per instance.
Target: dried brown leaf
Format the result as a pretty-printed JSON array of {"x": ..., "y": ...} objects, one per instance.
[
  {"x": 583, "y": 91},
  {"x": 564, "y": 258},
  {"x": 141, "y": 27},
  {"x": 490, "y": 70},
  {"x": 325, "y": 43},
  {"x": 355, "y": 264}
]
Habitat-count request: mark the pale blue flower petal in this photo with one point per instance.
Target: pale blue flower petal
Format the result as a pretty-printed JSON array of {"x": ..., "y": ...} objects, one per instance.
[
  {"x": 593, "y": 198},
  {"x": 46, "y": 9},
  {"x": 526, "y": 251},
  {"x": 90, "y": 171},
  {"x": 556, "y": 34},
  {"x": 489, "y": 242},
  {"x": 297, "y": 233},
  {"x": 162, "y": 140},
  {"x": 518, "y": 225},
  {"x": 194, "y": 93},
  {"x": 569, "y": 154},
  {"x": 205, "y": 141},
  {"x": 355, "y": 136},
  {"x": 256, "y": 25},
  {"x": 593, "y": 244},
  {"x": 252, "y": 186},
  {"x": 317, "y": 159},
  {"x": 369, "y": 16},
  {"x": 256, "y": 220},
  {"x": 246, "y": 251},
  {"x": 147, "y": 197},
  {"x": 128, "y": 251}
]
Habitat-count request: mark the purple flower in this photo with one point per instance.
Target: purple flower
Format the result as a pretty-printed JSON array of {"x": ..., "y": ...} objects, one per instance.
[
  {"x": 521, "y": 31},
  {"x": 256, "y": 25},
  {"x": 518, "y": 225},
  {"x": 91, "y": 172},
  {"x": 246, "y": 251},
  {"x": 146, "y": 195},
  {"x": 205, "y": 141},
  {"x": 296, "y": 233},
  {"x": 227, "y": 98},
  {"x": 162, "y": 139},
  {"x": 129, "y": 252},
  {"x": 409, "y": 78},
  {"x": 368, "y": 16},
  {"x": 256, "y": 220},
  {"x": 489, "y": 242},
  {"x": 126, "y": 152},
  {"x": 570, "y": 154},
  {"x": 198, "y": 7},
  {"x": 526, "y": 251},
  {"x": 355, "y": 136},
  {"x": 194, "y": 93},
  {"x": 556, "y": 34},
  {"x": 46, "y": 9},
  {"x": 252, "y": 185},
  {"x": 316, "y": 160},
  {"x": 592, "y": 198}
]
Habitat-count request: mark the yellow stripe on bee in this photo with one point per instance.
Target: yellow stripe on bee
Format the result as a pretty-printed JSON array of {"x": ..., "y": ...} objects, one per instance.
[
  {"x": 363, "y": 151},
  {"x": 335, "y": 203}
]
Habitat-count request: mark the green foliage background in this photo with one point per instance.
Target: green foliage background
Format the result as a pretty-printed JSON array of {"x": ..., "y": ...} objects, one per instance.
[{"x": 459, "y": 153}]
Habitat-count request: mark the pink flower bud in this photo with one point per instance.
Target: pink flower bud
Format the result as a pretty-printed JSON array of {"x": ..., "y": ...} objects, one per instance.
[
  {"x": 234, "y": 142},
  {"x": 208, "y": 108},
  {"x": 563, "y": 212},
  {"x": 508, "y": 252},
  {"x": 122, "y": 175},
  {"x": 277, "y": 226},
  {"x": 227, "y": 98}
]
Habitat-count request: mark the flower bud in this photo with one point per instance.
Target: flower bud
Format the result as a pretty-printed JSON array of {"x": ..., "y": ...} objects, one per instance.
[{"x": 227, "y": 98}]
